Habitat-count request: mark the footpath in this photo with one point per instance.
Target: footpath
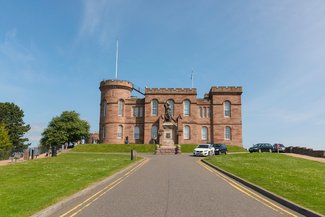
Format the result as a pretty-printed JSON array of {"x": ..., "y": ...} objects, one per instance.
[{"x": 319, "y": 159}]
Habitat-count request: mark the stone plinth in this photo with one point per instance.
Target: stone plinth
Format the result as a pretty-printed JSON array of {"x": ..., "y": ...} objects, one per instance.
[{"x": 167, "y": 139}]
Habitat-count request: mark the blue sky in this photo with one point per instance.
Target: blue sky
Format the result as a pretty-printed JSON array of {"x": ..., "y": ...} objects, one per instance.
[{"x": 53, "y": 55}]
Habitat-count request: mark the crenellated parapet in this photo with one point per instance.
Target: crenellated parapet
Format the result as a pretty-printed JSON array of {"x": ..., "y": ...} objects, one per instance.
[
  {"x": 171, "y": 91},
  {"x": 233, "y": 90},
  {"x": 116, "y": 84}
]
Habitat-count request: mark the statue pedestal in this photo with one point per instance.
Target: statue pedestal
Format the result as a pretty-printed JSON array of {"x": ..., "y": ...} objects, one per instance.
[{"x": 167, "y": 139}]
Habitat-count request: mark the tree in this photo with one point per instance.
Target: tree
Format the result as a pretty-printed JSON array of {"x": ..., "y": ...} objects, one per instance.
[
  {"x": 12, "y": 117},
  {"x": 5, "y": 143},
  {"x": 66, "y": 128}
]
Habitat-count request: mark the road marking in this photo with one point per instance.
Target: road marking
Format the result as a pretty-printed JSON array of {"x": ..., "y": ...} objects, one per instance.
[
  {"x": 246, "y": 191},
  {"x": 81, "y": 206}
]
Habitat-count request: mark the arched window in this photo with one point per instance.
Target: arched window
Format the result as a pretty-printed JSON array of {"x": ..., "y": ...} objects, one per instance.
[
  {"x": 171, "y": 104},
  {"x": 205, "y": 112},
  {"x": 186, "y": 132},
  {"x": 120, "y": 107},
  {"x": 187, "y": 106},
  {"x": 120, "y": 132},
  {"x": 200, "y": 111},
  {"x": 136, "y": 133},
  {"x": 228, "y": 133},
  {"x": 227, "y": 108},
  {"x": 154, "y": 107},
  {"x": 204, "y": 133},
  {"x": 154, "y": 132}
]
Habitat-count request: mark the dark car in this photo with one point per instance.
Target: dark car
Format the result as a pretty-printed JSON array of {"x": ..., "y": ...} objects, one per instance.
[
  {"x": 261, "y": 147},
  {"x": 277, "y": 146},
  {"x": 220, "y": 148}
]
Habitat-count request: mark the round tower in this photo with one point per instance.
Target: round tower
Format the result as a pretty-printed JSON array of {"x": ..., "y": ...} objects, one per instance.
[{"x": 114, "y": 93}]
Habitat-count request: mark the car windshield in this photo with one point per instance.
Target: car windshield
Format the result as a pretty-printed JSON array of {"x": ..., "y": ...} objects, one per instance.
[
  {"x": 217, "y": 145},
  {"x": 203, "y": 146}
]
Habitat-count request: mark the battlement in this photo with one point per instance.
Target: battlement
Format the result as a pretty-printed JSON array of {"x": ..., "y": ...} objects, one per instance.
[
  {"x": 226, "y": 90},
  {"x": 174, "y": 91},
  {"x": 116, "y": 84}
]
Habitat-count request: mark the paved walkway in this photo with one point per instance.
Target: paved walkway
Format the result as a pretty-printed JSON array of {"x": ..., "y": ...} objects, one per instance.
[
  {"x": 172, "y": 186},
  {"x": 319, "y": 159}
]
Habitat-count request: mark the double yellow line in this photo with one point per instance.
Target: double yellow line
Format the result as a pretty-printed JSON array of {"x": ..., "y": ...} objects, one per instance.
[
  {"x": 248, "y": 192},
  {"x": 81, "y": 206}
]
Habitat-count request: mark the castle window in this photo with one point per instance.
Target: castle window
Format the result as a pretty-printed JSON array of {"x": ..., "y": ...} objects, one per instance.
[
  {"x": 136, "y": 111},
  {"x": 136, "y": 133},
  {"x": 120, "y": 107},
  {"x": 208, "y": 111},
  {"x": 120, "y": 132},
  {"x": 105, "y": 108},
  {"x": 227, "y": 108},
  {"x": 228, "y": 133},
  {"x": 204, "y": 133},
  {"x": 187, "y": 105},
  {"x": 171, "y": 104},
  {"x": 186, "y": 132},
  {"x": 205, "y": 112},
  {"x": 154, "y": 132},
  {"x": 154, "y": 107},
  {"x": 200, "y": 111}
]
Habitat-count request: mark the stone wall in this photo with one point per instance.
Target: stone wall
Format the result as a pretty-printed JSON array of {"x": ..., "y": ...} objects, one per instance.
[{"x": 305, "y": 151}]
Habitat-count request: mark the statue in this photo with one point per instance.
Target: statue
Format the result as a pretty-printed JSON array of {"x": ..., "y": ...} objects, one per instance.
[{"x": 168, "y": 112}]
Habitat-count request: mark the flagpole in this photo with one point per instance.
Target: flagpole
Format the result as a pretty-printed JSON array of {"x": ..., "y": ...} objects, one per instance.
[
  {"x": 116, "y": 59},
  {"x": 192, "y": 77}
]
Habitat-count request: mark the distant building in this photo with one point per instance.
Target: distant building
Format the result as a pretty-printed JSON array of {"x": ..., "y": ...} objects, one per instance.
[{"x": 216, "y": 118}]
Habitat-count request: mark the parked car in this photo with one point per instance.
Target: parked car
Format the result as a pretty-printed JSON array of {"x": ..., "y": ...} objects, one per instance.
[
  {"x": 277, "y": 146},
  {"x": 261, "y": 147},
  {"x": 203, "y": 150},
  {"x": 219, "y": 148}
]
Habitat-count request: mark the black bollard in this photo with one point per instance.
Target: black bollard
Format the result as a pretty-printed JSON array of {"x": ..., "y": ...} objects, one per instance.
[{"x": 133, "y": 154}]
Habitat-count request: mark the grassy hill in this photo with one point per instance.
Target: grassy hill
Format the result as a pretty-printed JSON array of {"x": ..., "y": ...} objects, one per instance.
[
  {"x": 143, "y": 148},
  {"x": 299, "y": 180}
]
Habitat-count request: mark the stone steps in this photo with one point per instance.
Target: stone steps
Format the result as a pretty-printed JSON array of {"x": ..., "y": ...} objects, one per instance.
[{"x": 165, "y": 150}]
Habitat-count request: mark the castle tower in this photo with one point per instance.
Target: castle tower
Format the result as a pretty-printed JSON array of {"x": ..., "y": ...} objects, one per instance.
[
  {"x": 226, "y": 119},
  {"x": 114, "y": 94}
]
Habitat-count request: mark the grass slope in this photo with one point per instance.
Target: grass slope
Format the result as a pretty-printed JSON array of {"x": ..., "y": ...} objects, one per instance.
[
  {"x": 33, "y": 185},
  {"x": 299, "y": 180},
  {"x": 144, "y": 148},
  {"x": 188, "y": 148}
]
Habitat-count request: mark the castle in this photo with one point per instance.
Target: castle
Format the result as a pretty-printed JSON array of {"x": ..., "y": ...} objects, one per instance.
[{"x": 216, "y": 118}]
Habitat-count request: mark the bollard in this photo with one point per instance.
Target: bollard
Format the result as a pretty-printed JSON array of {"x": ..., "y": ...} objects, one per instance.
[{"x": 133, "y": 154}]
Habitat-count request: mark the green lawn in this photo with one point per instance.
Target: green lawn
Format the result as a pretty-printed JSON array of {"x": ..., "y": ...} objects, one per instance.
[
  {"x": 299, "y": 180},
  {"x": 188, "y": 148},
  {"x": 33, "y": 185},
  {"x": 143, "y": 148}
]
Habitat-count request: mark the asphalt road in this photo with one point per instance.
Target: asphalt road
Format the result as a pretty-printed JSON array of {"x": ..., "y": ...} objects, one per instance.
[{"x": 172, "y": 186}]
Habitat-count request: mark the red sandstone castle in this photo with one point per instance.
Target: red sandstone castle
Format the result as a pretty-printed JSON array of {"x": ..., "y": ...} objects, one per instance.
[{"x": 216, "y": 118}]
